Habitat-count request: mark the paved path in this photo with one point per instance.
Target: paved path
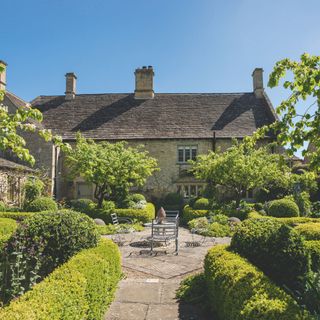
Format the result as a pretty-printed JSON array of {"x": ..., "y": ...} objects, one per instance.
[{"x": 149, "y": 288}]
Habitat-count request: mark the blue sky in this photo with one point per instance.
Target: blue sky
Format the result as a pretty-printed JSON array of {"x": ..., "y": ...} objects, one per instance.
[{"x": 194, "y": 45}]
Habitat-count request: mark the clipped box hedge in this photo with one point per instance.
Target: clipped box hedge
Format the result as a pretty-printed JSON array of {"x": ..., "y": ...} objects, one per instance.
[
  {"x": 313, "y": 247},
  {"x": 310, "y": 231},
  {"x": 7, "y": 228},
  {"x": 238, "y": 290},
  {"x": 291, "y": 221},
  {"x": 190, "y": 214},
  {"x": 18, "y": 216},
  {"x": 82, "y": 288},
  {"x": 143, "y": 215}
]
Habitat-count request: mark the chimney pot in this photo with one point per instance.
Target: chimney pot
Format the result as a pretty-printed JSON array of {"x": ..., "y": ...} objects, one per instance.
[
  {"x": 71, "y": 81},
  {"x": 257, "y": 77},
  {"x": 144, "y": 83},
  {"x": 3, "y": 76}
]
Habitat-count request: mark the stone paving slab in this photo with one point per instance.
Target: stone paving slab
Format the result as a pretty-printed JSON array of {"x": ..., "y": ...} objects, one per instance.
[{"x": 148, "y": 293}]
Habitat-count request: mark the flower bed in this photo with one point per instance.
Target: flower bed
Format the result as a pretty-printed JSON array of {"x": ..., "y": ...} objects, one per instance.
[
  {"x": 238, "y": 290},
  {"x": 82, "y": 288}
]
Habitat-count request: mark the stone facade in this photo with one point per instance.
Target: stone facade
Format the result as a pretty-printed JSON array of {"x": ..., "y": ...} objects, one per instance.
[{"x": 172, "y": 177}]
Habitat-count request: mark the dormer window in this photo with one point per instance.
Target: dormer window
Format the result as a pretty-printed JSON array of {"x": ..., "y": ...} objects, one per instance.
[{"x": 186, "y": 153}]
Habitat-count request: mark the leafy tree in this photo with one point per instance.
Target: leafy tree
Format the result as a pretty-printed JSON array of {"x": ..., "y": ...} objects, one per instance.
[
  {"x": 294, "y": 129},
  {"x": 241, "y": 168},
  {"x": 23, "y": 119},
  {"x": 112, "y": 167}
]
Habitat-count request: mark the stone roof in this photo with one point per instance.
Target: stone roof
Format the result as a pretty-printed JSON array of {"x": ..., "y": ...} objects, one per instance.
[
  {"x": 15, "y": 100},
  {"x": 7, "y": 164},
  {"x": 167, "y": 116}
]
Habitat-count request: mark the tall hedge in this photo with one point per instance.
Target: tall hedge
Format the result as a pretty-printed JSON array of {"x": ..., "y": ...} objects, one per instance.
[
  {"x": 277, "y": 249},
  {"x": 237, "y": 290},
  {"x": 82, "y": 288}
]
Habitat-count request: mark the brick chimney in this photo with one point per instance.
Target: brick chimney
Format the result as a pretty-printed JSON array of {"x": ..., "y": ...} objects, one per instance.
[
  {"x": 71, "y": 81},
  {"x": 257, "y": 77},
  {"x": 3, "y": 76},
  {"x": 144, "y": 83}
]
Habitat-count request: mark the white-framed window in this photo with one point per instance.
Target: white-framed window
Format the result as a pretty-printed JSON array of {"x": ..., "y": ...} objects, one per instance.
[
  {"x": 186, "y": 153},
  {"x": 189, "y": 190}
]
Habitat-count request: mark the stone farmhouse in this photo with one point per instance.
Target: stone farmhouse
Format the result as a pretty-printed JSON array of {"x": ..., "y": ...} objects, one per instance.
[{"x": 173, "y": 127}]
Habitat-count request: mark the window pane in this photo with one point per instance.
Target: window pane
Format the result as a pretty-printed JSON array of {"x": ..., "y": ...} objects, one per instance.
[
  {"x": 194, "y": 153},
  {"x": 180, "y": 155},
  {"x": 186, "y": 192},
  {"x": 193, "y": 191},
  {"x": 187, "y": 154}
]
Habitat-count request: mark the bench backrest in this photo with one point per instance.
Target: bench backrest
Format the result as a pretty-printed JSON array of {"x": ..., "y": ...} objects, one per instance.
[
  {"x": 172, "y": 215},
  {"x": 114, "y": 219}
]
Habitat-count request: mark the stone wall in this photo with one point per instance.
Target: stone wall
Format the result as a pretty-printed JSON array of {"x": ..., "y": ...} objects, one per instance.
[{"x": 11, "y": 186}]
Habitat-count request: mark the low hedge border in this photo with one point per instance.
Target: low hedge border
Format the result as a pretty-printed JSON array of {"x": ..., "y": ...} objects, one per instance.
[
  {"x": 313, "y": 246},
  {"x": 310, "y": 230},
  {"x": 82, "y": 288},
  {"x": 238, "y": 290},
  {"x": 292, "y": 222},
  {"x": 143, "y": 215},
  {"x": 18, "y": 216},
  {"x": 7, "y": 228},
  {"x": 190, "y": 214}
]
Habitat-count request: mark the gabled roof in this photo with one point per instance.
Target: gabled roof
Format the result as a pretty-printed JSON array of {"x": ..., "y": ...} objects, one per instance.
[{"x": 167, "y": 116}]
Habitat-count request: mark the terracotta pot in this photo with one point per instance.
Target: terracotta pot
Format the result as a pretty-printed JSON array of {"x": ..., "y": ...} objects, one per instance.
[{"x": 161, "y": 215}]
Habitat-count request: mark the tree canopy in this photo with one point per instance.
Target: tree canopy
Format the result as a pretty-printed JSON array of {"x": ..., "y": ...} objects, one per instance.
[
  {"x": 241, "y": 168},
  {"x": 112, "y": 167},
  {"x": 24, "y": 119},
  {"x": 294, "y": 129}
]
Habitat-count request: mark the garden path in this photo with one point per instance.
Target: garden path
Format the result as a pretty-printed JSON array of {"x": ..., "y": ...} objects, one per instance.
[{"x": 149, "y": 288}]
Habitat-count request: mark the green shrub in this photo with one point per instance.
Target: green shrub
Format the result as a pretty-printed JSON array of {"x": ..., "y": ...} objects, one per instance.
[
  {"x": 18, "y": 216},
  {"x": 283, "y": 208},
  {"x": 220, "y": 218},
  {"x": 7, "y": 228},
  {"x": 42, "y": 204},
  {"x": 310, "y": 231},
  {"x": 172, "y": 201},
  {"x": 2, "y": 206},
  {"x": 83, "y": 205},
  {"x": 236, "y": 290},
  {"x": 142, "y": 215},
  {"x": 190, "y": 214},
  {"x": 277, "y": 249},
  {"x": 108, "y": 206},
  {"x": 32, "y": 189},
  {"x": 82, "y": 288},
  {"x": 258, "y": 206},
  {"x": 216, "y": 229},
  {"x": 192, "y": 289},
  {"x": 136, "y": 197},
  {"x": 40, "y": 244},
  {"x": 201, "y": 204},
  {"x": 313, "y": 247},
  {"x": 303, "y": 201},
  {"x": 198, "y": 223}
]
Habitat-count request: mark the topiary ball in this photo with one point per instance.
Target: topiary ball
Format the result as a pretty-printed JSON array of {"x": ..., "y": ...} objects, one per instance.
[
  {"x": 42, "y": 204},
  {"x": 202, "y": 204},
  {"x": 283, "y": 208}
]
